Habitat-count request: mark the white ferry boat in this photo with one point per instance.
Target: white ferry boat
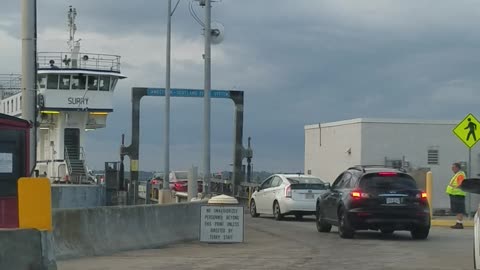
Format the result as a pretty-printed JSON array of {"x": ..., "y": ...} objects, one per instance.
[{"x": 74, "y": 95}]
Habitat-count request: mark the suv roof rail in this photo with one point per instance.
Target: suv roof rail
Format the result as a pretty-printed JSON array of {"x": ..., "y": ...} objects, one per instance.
[
  {"x": 358, "y": 168},
  {"x": 363, "y": 167}
]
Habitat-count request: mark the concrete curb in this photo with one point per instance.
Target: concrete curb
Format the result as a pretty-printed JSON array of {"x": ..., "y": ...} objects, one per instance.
[{"x": 450, "y": 222}]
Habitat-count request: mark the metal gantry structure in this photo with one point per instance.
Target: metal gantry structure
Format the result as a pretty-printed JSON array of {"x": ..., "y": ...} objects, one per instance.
[{"x": 133, "y": 150}]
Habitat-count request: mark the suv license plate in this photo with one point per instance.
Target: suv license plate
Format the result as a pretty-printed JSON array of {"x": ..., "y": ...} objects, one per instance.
[
  {"x": 393, "y": 201},
  {"x": 309, "y": 196}
]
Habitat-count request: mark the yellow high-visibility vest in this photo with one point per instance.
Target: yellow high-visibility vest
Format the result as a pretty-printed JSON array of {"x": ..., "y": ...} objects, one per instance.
[{"x": 452, "y": 188}]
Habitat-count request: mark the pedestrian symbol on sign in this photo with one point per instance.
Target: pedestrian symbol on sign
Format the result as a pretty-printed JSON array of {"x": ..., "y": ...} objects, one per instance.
[
  {"x": 466, "y": 130},
  {"x": 472, "y": 127}
]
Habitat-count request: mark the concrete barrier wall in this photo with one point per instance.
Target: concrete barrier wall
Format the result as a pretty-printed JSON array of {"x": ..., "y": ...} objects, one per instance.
[
  {"x": 105, "y": 230},
  {"x": 78, "y": 196},
  {"x": 26, "y": 250}
]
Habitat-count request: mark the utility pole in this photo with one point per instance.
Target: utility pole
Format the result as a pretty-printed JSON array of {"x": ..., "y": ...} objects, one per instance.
[
  {"x": 29, "y": 74},
  {"x": 207, "y": 86}
]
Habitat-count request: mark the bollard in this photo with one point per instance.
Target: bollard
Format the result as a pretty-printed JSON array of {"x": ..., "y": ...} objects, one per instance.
[
  {"x": 148, "y": 189},
  {"x": 223, "y": 200},
  {"x": 429, "y": 190},
  {"x": 192, "y": 183}
]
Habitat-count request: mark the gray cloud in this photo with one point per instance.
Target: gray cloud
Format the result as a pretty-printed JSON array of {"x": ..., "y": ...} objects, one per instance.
[{"x": 299, "y": 62}]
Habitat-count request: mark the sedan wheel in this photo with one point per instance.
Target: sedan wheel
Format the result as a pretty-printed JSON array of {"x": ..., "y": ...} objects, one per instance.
[
  {"x": 277, "y": 214},
  {"x": 253, "y": 209}
]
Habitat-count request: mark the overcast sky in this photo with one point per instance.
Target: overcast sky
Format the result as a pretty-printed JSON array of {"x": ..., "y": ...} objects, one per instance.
[{"x": 299, "y": 62}]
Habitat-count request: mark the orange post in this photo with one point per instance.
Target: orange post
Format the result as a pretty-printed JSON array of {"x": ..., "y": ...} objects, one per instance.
[
  {"x": 34, "y": 204},
  {"x": 429, "y": 190}
]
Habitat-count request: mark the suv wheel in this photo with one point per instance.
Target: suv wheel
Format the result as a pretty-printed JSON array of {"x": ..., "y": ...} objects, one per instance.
[
  {"x": 253, "y": 209},
  {"x": 344, "y": 229},
  {"x": 420, "y": 232},
  {"x": 277, "y": 214},
  {"x": 386, "y": 231},
  {"x": 322, "y": 226}
]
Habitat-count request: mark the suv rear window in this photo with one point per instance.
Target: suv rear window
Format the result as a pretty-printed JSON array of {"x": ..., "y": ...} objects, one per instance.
[
  {"x": 306, "y": 183},
  {"x": 377, "y": 183}
]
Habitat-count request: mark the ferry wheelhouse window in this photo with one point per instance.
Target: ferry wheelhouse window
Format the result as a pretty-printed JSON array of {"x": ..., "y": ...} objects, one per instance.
[
  {"x": 65, "y": 82},
  {"x": 52, "y": 81},
  {"x": 42, "y": 80},
  {"x": 92, "y": 82},
  {"x": 104, "y": 83},
  {"x": 114, "y": 83},
  {"x": 79, "y": 82}
]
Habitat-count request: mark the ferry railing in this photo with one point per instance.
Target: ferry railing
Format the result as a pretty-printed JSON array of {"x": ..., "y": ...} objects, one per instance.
[
  {"x": 83, "y": 158},
  {"x": 93, "y": 61},
  {"x": 67, "y": 161},
  {"x": 10, "y": 85}
]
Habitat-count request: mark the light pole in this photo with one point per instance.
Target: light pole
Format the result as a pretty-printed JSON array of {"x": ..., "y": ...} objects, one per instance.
[
  {"x": 206, "y": 115},
  {"x": 165, "y": 194},
  {"x": 166, "y": 180},
  {"x": 28, "y": 84}
]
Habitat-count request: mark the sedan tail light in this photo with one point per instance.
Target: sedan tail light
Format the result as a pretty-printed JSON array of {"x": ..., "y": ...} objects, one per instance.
[{"x": 288, "y": 191}]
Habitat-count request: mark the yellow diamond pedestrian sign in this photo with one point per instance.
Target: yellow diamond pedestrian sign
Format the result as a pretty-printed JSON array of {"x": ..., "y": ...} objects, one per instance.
[{"x": 468, "y": 130}]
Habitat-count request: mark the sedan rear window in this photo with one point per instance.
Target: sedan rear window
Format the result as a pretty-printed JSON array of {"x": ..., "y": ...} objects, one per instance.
[
  {"x": 304, "y": 180},
  {"x": 306, "y": 183},
  {"x": 181, "y": 175},
  {"x": 378, "y": 183}
]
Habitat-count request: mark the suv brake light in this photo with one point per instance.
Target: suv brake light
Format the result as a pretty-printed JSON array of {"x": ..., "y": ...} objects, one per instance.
[
  {"x": 288, "y": 191},
  {"x": 359, "y": 195},
  {"x": 422, "y": 195},
  {"x": 387, "y": 174}
]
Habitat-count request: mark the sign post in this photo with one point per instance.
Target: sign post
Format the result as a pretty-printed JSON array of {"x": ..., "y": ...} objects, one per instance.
[{"x": 466, "y": 131}]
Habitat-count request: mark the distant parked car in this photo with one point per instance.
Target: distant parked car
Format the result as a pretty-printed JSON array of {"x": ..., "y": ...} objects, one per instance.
[
  {"x": 472, "y": 185},
  {"x": 179, "y": 182},
  {"x": 374, "y": 198},
  {"x": 157, "y": 179},
  {"x": 287, "y": 194}
]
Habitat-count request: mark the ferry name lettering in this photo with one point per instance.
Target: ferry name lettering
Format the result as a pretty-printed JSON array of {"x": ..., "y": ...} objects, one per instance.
[{"x": 78, "y": 101}]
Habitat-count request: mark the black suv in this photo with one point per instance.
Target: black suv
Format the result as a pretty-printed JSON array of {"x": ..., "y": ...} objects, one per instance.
[{"x": 374, "y": 198}]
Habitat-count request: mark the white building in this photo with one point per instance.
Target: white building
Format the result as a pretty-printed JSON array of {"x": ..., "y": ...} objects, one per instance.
[{"x": 331, "y": 148}]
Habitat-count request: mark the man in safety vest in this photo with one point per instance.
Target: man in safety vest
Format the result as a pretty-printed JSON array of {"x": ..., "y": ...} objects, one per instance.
[{"x": 457, "y": 196}]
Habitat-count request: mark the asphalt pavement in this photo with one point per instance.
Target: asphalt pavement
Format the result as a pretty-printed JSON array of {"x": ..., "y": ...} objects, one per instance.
[{"x": 292, "y": 244}]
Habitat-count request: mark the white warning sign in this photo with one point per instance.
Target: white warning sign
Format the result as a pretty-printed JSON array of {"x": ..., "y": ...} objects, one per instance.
[
  {"x": 221, "y": 224},
  {"x": 6, "y": 162}
]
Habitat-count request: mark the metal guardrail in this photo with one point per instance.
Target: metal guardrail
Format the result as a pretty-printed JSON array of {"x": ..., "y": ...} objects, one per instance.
[
  {"x": 63, "y": 60},
  {"x": 218, "y": 187}
]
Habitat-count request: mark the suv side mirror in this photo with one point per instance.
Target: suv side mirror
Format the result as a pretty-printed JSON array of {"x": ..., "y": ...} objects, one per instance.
[{"x": 328, "y": 186}]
